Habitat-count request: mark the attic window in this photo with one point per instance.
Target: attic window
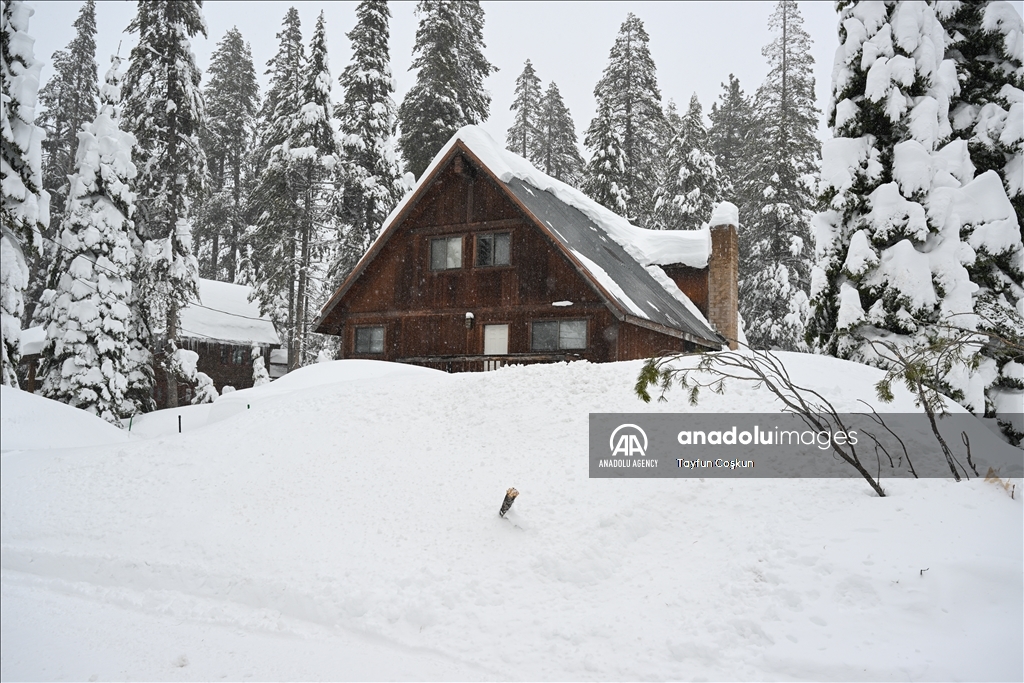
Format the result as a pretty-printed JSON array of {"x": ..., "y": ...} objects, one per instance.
[
  {"x": 370, "y": 339},
  {"x": 555, "y": 335},
  {"x": 493, "y": 249},
  {"x": 446, "y": 253}
]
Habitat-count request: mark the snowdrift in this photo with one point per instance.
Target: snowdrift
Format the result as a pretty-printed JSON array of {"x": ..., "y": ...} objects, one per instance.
[
  {"x": 349, "y": 530},
  {"x": 30, "y": 423}
]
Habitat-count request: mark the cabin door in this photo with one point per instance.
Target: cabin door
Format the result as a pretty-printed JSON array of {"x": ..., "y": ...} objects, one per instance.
[{"x": 495, "y": 344}]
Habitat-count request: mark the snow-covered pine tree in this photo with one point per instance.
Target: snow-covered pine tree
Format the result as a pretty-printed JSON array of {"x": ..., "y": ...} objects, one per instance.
[
  {"x": 628, "y": 89},
  {"x": 87, "y": 359},
  {"x": 69, "y": 101},
  {"x": 558, "y": 155},
  {"x": 24, "y": 204},
  {"x": 312, "y": 150},
  {"x": 451, "y": 68},
  {"x": 891, "y": 260},
  {"x": 232, "y": 100},
  {"x": 523, "y": 136},
  {"x": 987, "y": 44},
  {"x": 370, "y": 185},
  {"x": 163, "y": 108},
  {"x": 691, "y": 189},
  {"x": 731, "y": 122},
  {"x": 270, "y": 264},
  {"x": 604, "y": 176},
  {"x": 779, "y": 193}
]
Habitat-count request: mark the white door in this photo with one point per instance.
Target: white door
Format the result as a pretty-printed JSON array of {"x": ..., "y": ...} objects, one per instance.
[
  {"x": 495, "y": 340},
  {"x": 495, "y": 344}
]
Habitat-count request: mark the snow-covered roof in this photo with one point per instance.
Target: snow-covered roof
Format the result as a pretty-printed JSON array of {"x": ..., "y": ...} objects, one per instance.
[
  {"x": 32, "y": 340},
  {"x": 224, "y": 313},
  {"x": 620, "y": 257}
]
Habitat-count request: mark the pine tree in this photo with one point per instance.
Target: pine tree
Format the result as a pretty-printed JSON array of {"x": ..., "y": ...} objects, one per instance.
[
  {"x": 232, "y": 100},
  {"x": 985, "y": 44},
  {"x": 891, "y": 258},
  {"x": 69, "y": 102},
  {"x": 691, "y": 188},
  {"x": 370, "y": 185},
  {"x": 731, "y": 123},
  {"x": 523, "y": 135},
  {"x": 605, "y": 173},
  {"x": 88, "y": 316},
  {"x": 163, "y": 108},
  {"x": 259, "y": 368},
  {"x": 779, "y": 194},
  {"x": 24, "y": 204},
  {"x": 558, "y": 154},
  {"x": 451, "y": 68},
  {"x": 270, "y": 265},
  {"x": 296, "y": 186},
  {"x": 628, "y": 89}
]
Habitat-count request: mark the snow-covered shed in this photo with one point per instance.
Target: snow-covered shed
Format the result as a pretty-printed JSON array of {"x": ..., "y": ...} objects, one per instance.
[
  {"x": 488, "y": 261},
  {"x": 222, "y": 327}
]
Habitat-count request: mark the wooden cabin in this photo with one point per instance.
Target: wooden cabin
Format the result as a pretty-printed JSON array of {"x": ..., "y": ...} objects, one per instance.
[
  {"x": 222, "y": 327},
  {"x": 489, "y": 262}
]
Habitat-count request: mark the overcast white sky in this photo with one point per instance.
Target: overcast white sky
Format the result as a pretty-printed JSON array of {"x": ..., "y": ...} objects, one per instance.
[{"x": 695, "y": 45}]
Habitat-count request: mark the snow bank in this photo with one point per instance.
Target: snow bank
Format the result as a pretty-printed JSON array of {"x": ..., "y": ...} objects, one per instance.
[
  {"x": 30, "y": 423},
  {"x": 356, "y": 521},
  {"x": 225, "y": 313}
]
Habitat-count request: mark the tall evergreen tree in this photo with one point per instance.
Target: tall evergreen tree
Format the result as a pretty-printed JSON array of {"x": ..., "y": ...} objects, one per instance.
[
  {"x": 628, "y": 89},
  {"x": 87, "y": 359},
  {"x": 985, "y": 43},
  {"x": 232, "y": 100},
  {"x": 451, "y": 68},
  {"x": 163, "y": 108},
  {"x": 691, "y": 188},
  {"x": 731, "y": 124},
  {"x": 523, "y": 135},
  {"x": 605, "y": 173},
  {"x": 69, "y": 102},
  {"x": 558, "y": 155},
  {"x": 24, "y": 204},
  {"x": 891, "y": 258},
  {"x": 779, "y": 193},
  {"x": 270, "y": 264},
  {"x": 370, "y": 185}
]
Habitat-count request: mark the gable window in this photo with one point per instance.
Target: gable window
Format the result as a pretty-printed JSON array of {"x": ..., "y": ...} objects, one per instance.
[
  {"x": 556, "y": 335},
  {"x": 370, "y": 339},
  {"x": 446, "y": 253},
  {"x": 493, "y": 249}
]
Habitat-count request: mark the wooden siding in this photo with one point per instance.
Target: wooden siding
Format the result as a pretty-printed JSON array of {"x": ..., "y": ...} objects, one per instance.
[
  {"x": 693, "y": 282},
  {"x": 423, "y": 312}
]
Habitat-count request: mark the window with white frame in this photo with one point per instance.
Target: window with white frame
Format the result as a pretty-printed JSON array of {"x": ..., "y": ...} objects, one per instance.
[
  {"x": 370, "y": 339},
  {"x": 558, "y": 335},
  {"x": 446, "y": 253}
]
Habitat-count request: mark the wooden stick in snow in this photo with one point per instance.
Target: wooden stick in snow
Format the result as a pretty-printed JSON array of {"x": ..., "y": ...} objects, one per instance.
[{"x": 510, "y": 497}]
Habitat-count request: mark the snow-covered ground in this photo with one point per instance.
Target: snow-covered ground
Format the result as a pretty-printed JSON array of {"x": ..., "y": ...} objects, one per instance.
[{"x": 342, "y": 523}]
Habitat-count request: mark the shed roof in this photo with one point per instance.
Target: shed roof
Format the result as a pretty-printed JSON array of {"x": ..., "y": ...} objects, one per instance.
[
  {"x": 224, "y": 313},
  {"x": 620, "y": 258}
]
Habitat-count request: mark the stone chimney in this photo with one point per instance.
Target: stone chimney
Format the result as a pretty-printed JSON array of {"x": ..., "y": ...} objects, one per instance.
[{"x": 723, "y": 272}]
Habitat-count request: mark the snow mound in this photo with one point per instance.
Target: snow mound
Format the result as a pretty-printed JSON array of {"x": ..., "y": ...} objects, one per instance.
[{"x": 31, "y": 423}]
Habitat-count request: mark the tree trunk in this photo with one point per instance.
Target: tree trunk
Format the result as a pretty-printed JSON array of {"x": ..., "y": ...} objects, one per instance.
[{"x": 172, "y": 335}]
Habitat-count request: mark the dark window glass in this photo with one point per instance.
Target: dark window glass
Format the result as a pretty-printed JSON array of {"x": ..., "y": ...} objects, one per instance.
[
  {"x": 493, "y": 249},
  {"x": 545, "y": 336},
  {"x": 446, "y": 253},
  {"x": 369, "y": 340},
  {"x": 554, "y": 335}
]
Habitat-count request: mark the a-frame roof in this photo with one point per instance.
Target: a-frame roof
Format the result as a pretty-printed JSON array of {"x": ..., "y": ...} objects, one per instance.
[{"x": 619, "y": 259}]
